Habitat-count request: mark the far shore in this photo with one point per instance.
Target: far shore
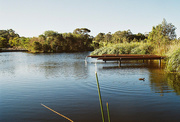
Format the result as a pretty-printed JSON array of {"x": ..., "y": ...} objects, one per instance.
[{"x": 12, "y": 50}]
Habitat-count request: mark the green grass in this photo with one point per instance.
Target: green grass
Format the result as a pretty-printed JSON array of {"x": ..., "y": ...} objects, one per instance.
[
  {"x": 125, "y": 48},
  {"x": 173, "y": 62}
]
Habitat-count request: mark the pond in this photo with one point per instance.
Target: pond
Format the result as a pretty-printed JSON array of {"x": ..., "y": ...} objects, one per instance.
[{"x": 66, "y": 83}]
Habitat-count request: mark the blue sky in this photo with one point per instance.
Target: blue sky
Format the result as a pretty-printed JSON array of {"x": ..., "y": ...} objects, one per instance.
[{"x": 33, "y": 17}]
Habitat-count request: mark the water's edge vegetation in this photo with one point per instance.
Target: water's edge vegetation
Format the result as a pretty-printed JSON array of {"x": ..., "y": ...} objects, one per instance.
[{"x": 161, "y": 40}]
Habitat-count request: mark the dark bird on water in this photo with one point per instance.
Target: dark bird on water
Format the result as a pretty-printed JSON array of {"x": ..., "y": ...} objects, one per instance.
[{"x": 142, "y": 79}]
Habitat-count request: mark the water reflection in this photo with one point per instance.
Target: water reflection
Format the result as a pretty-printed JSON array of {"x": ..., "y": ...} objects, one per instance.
[
  {"x": 158, "y": 83},
  {"x": 62, "y": 68},
  {"x": 159, "y": 80},
  {"x": 173, "y": 80},
  {"x": 7, "y": 64},
  {"x": 67, "y": 83},
  {"x": 163, "y": 82}
]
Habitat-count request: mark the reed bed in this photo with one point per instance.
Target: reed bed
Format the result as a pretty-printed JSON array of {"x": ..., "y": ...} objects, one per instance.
[{"x": 125, "y": 48}]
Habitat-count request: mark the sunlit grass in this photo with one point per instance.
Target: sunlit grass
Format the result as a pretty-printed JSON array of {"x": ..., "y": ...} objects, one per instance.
[
  {"x": 125, "y": 48},
  {"x": 173, "y": 63}
]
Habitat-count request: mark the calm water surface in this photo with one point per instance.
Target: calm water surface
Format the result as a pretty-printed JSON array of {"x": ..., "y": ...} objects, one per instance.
[{"x": 67, "y": 84}]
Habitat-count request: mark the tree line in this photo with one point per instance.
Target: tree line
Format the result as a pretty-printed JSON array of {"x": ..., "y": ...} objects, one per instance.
[
  {"x": 49, "y": 41},
  {"x": 160, "y": 38},
  {"x": 103, "y": 39},
  {"x": 80, "y": 40}
]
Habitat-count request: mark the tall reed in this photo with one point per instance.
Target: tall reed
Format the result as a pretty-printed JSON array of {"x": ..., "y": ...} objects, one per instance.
[
  {"x": 108, "y": 112},
  {"x": 100, "y": 100}
]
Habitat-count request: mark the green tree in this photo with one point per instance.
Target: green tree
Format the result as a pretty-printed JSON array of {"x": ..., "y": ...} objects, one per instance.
[
  {"x": 7, "y": 35},
  {"x": 3, "y": 42},
  {"x": 46, "y": 47},
  {"x": 50, "y": 33},
  {"x": 168, "y": 30},
  {"x": 24, "y": 42},
  {"x": 99, "y": 37},
  {"x": 162, "y": 34},
  {"x": 121, "y": 36},
  {"x": 37, "y": 46},
  {"x": 107, "y": 38},
  {"x": 14, "y": 42},
  {"x": 83, "y": 31}
]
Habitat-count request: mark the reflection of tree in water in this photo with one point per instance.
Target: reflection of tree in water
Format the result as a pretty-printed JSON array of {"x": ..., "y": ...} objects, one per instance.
[
  {"x": 7, "y": 66},
  {"x": 162, "y": 82},
  {"x": 80, "y": 71},
  {"x": 64, "y": 69},
  {"x": 174, "y": 82},
  {"x": 50, "y": 69},
  {"x": 158, "y": 81}
]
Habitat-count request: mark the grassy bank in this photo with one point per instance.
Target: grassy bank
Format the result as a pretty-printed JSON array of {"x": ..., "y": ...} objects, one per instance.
[
  {"x": 172, "y": 51},
  {"x": 173, "y": 62}
]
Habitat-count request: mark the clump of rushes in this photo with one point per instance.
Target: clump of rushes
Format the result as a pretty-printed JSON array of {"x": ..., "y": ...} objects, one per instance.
[
  {"x": 125, "y": 48},
  {"x": 173, "y": 62}
]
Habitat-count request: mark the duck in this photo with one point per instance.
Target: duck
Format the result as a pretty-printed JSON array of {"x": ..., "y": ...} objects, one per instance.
[{"x": 142, "y": 79}]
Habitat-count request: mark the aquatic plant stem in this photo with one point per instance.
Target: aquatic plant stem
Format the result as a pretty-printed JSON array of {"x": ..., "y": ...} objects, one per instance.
[
  {"x": 57, "y": 112},
  {"x": 108, "y": 112},
  {"x": 100, "y": 100}
]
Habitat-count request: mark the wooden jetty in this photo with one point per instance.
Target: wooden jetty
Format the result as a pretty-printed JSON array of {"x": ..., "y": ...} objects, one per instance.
[{"x": 121, "y": 57}]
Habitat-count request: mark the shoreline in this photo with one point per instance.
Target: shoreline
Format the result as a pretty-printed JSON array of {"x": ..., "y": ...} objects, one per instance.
[{"x": 13, "y": 50}]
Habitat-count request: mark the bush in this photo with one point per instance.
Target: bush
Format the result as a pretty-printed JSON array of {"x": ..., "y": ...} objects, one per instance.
[
  {"x": 3, "y": 42},
  {"x": 36, "y": 47}
]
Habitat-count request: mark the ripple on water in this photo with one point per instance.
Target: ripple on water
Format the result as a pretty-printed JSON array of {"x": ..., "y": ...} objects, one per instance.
[{"x": 68, "y": 85}]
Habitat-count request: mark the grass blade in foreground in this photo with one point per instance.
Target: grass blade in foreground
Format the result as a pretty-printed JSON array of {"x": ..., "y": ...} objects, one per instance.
[
  {"x": 100, "y": 100},
  {"x": 108, "y": 112},
  {"x": 56, "y": 112}
]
